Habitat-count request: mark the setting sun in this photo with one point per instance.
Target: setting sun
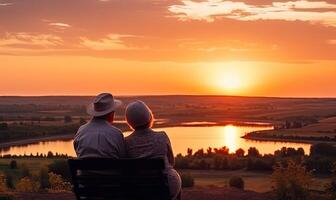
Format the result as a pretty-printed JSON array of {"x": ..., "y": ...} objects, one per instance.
[{"x": 230, "y": 81}]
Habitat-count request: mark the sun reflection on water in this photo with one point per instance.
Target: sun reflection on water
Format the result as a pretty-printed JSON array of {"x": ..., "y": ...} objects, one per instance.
[{"x": 230, "y": 135}]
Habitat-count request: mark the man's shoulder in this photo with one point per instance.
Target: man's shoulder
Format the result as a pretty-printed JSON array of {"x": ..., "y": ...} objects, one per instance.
[
  {"x": 101, "y": 127},
  {"x": 81, "y": 129},
  {"x": 108, "y": 129}
]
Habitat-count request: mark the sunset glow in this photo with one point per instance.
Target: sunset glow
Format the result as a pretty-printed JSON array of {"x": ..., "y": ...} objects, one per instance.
[
  {"x": 230, "y": 81},
  {"x": 257, "y": 48}
]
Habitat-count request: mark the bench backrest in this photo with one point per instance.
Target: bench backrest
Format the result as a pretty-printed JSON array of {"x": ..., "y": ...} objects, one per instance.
[{"x": 125, "y": 179}]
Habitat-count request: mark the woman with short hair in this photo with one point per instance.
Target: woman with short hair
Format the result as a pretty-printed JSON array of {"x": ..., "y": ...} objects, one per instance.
[{"x": 147, "y": 143}]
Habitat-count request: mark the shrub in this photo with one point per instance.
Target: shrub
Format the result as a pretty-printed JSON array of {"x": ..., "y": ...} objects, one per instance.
[
  {"x": 60, "y": 167},
  {"x": 3, "y": 187},
  {"x": 13, "y": 164},
  {"x": 323, "y": 149},
  {"x": 260, "y": 164},
  {"x": 237, "y": 182},
  {"x": 27, "y": 185},
  {"x": 6, "y": 197},
  {"x": 320, "y": 165},
  {"x": 187, "y": 180},
  {"x": 25, "y": 172},
  {"x": 220, "y": 162},
  {"x": 331, "y": 187},
  {"x": 44, "y": 178},
  {"x": 9, "y": 181},
  {"x": 291, "y": 181},
  {"x": 57, "y": 184},
  {"x": 182, "y": 162}
]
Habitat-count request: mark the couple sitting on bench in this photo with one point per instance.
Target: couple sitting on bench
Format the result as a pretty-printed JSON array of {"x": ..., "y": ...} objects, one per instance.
[{"x": 100, "y": 139}]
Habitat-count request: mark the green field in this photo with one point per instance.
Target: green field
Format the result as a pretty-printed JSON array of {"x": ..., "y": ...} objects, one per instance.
[
  {"x": 34, "y": 166},
  {"x": 254, "y": 181}
]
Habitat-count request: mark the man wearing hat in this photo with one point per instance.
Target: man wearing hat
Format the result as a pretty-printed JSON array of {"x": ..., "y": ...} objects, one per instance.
[{"x": 99, "y": 138}]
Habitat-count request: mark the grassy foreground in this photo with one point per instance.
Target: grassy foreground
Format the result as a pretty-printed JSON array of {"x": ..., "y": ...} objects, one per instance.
[{"x": 254, "y": 181}]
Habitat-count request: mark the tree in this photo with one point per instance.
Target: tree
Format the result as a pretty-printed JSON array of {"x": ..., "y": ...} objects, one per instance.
[
  {"x": 25, "y": 172},
  {"x": 50, "y": 154},
  {"x": 291, "y": 181},
  {"x": 237, "y": 182},
  {"x": 323, "y": 149},
  {"x": 9, "y": 181},
  {"x": 82, "y": 121},
  {"x": 3, "y": 187},
  {"x": 3, "y": 126},
  {"x": 13, "y": 164},
  {"x": 44, "y": 178},
  {"x": 187, "y": 180},
  {"x": 209, "y": 151},
  {"x": 189, "y": 152},
  {"x": 36, "y": 119},
  {"x": 67, "y": 119},
  {"x": 27, "y": 185},
  {"x": 199, "y": 153},
  {"x": 331, "y": 187},
  {"x": 57, "y": 184},
  {"x": 240, "y": 152},
  {"x": 222, "y": 151},
  {"x": 60, "y": 167},
  {"x": 253, "y": 152}
]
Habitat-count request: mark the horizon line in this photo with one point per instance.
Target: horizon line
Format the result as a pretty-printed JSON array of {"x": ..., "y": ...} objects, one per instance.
[{"x": 186, "y": 95}]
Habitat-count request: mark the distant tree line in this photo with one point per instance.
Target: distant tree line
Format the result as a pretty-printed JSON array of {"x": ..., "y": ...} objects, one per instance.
[
  {"x": 320, "y": 160},
  {"x": 291, "y": 137},
  {"x": 22, "y": 131}
]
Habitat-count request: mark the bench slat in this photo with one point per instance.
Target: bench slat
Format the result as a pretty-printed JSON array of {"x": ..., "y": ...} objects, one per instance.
[{"x": 102, "y": 179}]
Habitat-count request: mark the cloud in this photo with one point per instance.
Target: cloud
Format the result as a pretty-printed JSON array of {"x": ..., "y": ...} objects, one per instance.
[
  {"x": 60, "y": 25},
  {"x": 6, "y": 4},
  {"x": 16, "y": 43},
  {"x": 110, "y": 42},
  {"x": 23, "y": 38},
  {"x": 333, "y": 42},
  {"x": 210, "y": 10}
]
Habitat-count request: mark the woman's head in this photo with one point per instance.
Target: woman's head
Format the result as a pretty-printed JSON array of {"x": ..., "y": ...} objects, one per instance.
[{"x": 139, "y": 115}]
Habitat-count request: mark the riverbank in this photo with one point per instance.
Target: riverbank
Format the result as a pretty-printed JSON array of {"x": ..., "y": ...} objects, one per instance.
[
  {"x": 275, "y": 139},
  {"x": 23, "y": 142}
]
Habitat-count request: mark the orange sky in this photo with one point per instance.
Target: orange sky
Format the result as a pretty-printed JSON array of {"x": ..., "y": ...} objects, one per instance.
[{"x": 239, "y": 47}]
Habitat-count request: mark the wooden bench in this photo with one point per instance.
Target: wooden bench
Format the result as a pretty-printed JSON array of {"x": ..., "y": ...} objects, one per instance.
[{"x": 126, "y": 179}]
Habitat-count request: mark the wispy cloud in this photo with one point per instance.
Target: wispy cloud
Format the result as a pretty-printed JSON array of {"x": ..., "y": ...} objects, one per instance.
[
  {"x": 23, "y": 38},
  {"x": 6, "y": 4},
  {"x": 303, "y": 10},
  {"x": 16, "y": 43},
  {"x": 110, "y": 42},
  {"x": 60, "y": 25}
]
